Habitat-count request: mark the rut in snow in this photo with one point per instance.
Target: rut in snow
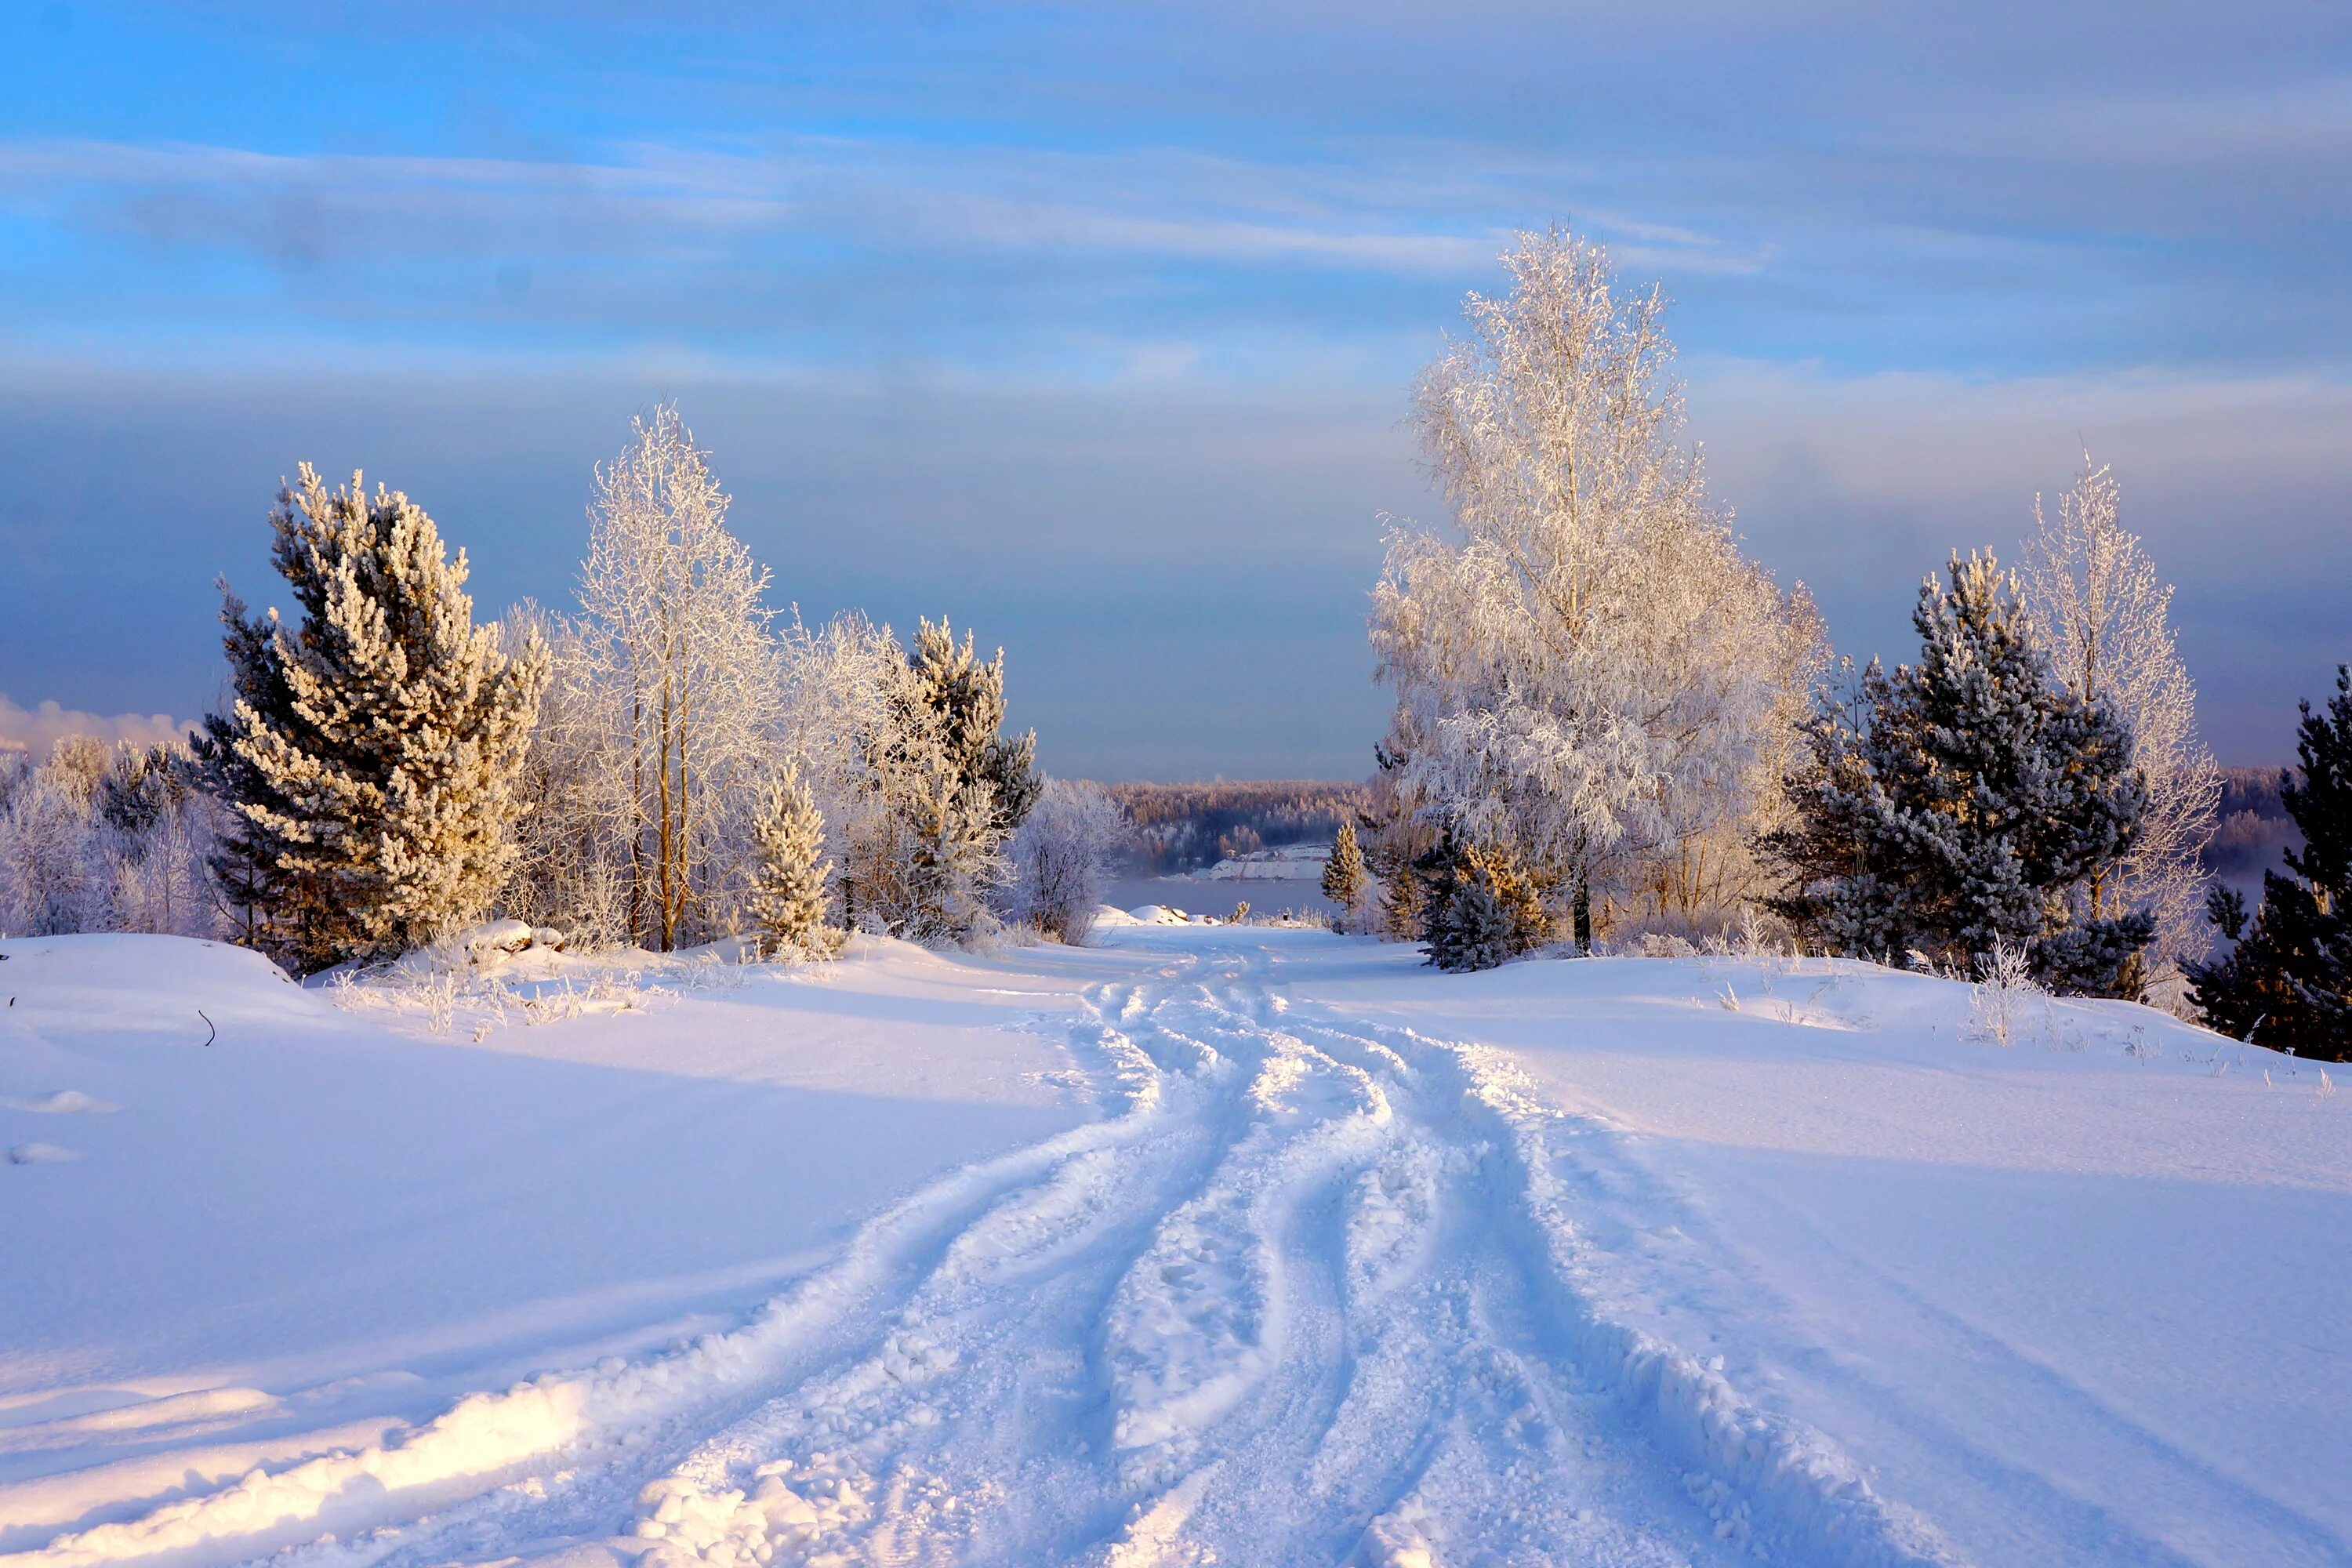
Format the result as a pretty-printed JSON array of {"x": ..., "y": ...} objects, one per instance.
[{"x": 1308, "y": 1296}]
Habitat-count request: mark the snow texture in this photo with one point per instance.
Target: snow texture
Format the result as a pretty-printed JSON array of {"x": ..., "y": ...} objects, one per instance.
[{"x": 1209, "y": 1245}]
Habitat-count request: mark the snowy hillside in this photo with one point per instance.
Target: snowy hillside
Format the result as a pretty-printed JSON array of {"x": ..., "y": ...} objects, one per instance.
[{"x": 1210, "y": 1244}]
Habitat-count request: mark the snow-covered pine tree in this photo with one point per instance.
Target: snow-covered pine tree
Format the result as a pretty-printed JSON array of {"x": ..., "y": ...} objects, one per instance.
[
  {"x": 788, "y": 888},
  {"x": 1979, "y": 795},
  {"x": 948, "y": 788},
  {"x": 2099, "y": 606},
  {"x": 372, "y": 752},
  {"x": 1343, "y": 875},
  {"x": 1815, "y": 849},
  {"x": 1396, "y": 836},
  {"x": 1481, "y": 910},
  {"x": 2287, "y": 980}
]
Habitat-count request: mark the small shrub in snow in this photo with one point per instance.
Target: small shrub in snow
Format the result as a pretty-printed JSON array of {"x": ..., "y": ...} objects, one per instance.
[
  {"x": 1997, "y": 1010},
  {"x": 1061, "y": 858},
  {"x": 788, "y": 898}
]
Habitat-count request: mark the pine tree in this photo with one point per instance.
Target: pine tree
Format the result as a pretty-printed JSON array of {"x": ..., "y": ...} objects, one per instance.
[
  {"x": 1480, "y": 910},
  {"x": 1343, "y": 874},
  {"x": 1970, "y": 797},
  {"x": 2287, "y": 981},
  {"x": 946, "y": 789},
  {"x": 371, "y": 752},
  {"x": 788, "y": 892}
]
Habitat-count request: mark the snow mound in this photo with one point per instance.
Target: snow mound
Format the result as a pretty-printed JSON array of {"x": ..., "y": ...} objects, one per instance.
[
  {"x": 40, "y": 1154},
  {"x": 1157, "y": 915}
]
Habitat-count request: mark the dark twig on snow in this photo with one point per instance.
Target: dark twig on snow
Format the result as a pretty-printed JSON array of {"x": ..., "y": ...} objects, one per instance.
[{"x": 209, "y": 1025}]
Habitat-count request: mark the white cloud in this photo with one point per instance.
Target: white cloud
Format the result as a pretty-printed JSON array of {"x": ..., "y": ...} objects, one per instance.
[{"x": 36, "y": 730}]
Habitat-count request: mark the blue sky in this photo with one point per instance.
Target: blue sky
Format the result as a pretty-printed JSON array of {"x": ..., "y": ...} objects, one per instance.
[{"x": 1091, "y": 326}]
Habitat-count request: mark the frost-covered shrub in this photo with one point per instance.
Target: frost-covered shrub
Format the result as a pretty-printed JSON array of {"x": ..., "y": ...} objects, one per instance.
[
  {"x": 100, "y": 839},
  {"x": 1061, "y": 858}
]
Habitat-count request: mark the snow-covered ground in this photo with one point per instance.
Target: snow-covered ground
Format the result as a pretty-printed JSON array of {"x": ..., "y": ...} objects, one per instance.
[{"x": 1210, "y": 1244}]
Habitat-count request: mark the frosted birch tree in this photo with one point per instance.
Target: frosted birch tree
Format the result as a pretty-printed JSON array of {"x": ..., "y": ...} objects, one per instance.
[
  {"x": 675, "y": 664},
  {"x": 2099, "y": 607},
  {"x": 1594, "y": 674}
]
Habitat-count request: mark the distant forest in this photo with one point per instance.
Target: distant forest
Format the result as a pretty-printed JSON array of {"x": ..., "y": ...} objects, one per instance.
[{"x": 1181, "y": 827}]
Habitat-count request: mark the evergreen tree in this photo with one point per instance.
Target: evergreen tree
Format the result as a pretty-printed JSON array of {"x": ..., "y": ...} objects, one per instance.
[
  {"x": 1480, "y": 909},
  {"x": 2287, "y": 981},
  {"x": 945, "y": 791},
  {"x": 370, "y": 755},
  {"x": 1965, "y": 800},
  {"x": 788, "y": 895},
  {"x": 966, "y": 699},
  {"x": 1343, "y": 873}
]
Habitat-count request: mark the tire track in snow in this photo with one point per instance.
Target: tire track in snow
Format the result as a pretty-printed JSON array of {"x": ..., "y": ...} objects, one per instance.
[{"x": 1308, "y": 1296}]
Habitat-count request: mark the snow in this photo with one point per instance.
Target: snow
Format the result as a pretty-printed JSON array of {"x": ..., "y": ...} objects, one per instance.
[{"x": 1209, "y": 1243}]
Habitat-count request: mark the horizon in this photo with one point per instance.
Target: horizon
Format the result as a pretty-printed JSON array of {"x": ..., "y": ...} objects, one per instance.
[{"x": 1112, "y": 369}]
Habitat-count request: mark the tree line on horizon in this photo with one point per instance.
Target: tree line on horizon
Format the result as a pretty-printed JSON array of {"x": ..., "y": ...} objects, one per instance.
[{"x": 1610, "y": 727}]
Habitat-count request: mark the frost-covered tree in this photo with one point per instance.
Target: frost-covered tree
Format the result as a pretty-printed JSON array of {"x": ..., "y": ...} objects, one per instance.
[
  {"x": 1061, "y": 858},
  {"x": 573, "y": 863},
  {"x": 153, "y": 834},
  {"x": 671, "y": 687},
  {"x": 106, "y": 839},
  {"x": 1593, "y": 674},
  {"x": 788, "y": 888},
  {"x": 370, "y": 756},
  {"x": 1343, "y": 874},
  {"x": 1963, "y": 801},
  {"x": 2099, "y": 606},
  {"x": 2287, "y": 980},
  {"x": 49, "y": 881}
]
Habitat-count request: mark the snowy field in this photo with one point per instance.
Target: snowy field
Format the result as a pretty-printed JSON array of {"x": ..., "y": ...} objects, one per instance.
[{"x": 1207, "y": 1244}]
